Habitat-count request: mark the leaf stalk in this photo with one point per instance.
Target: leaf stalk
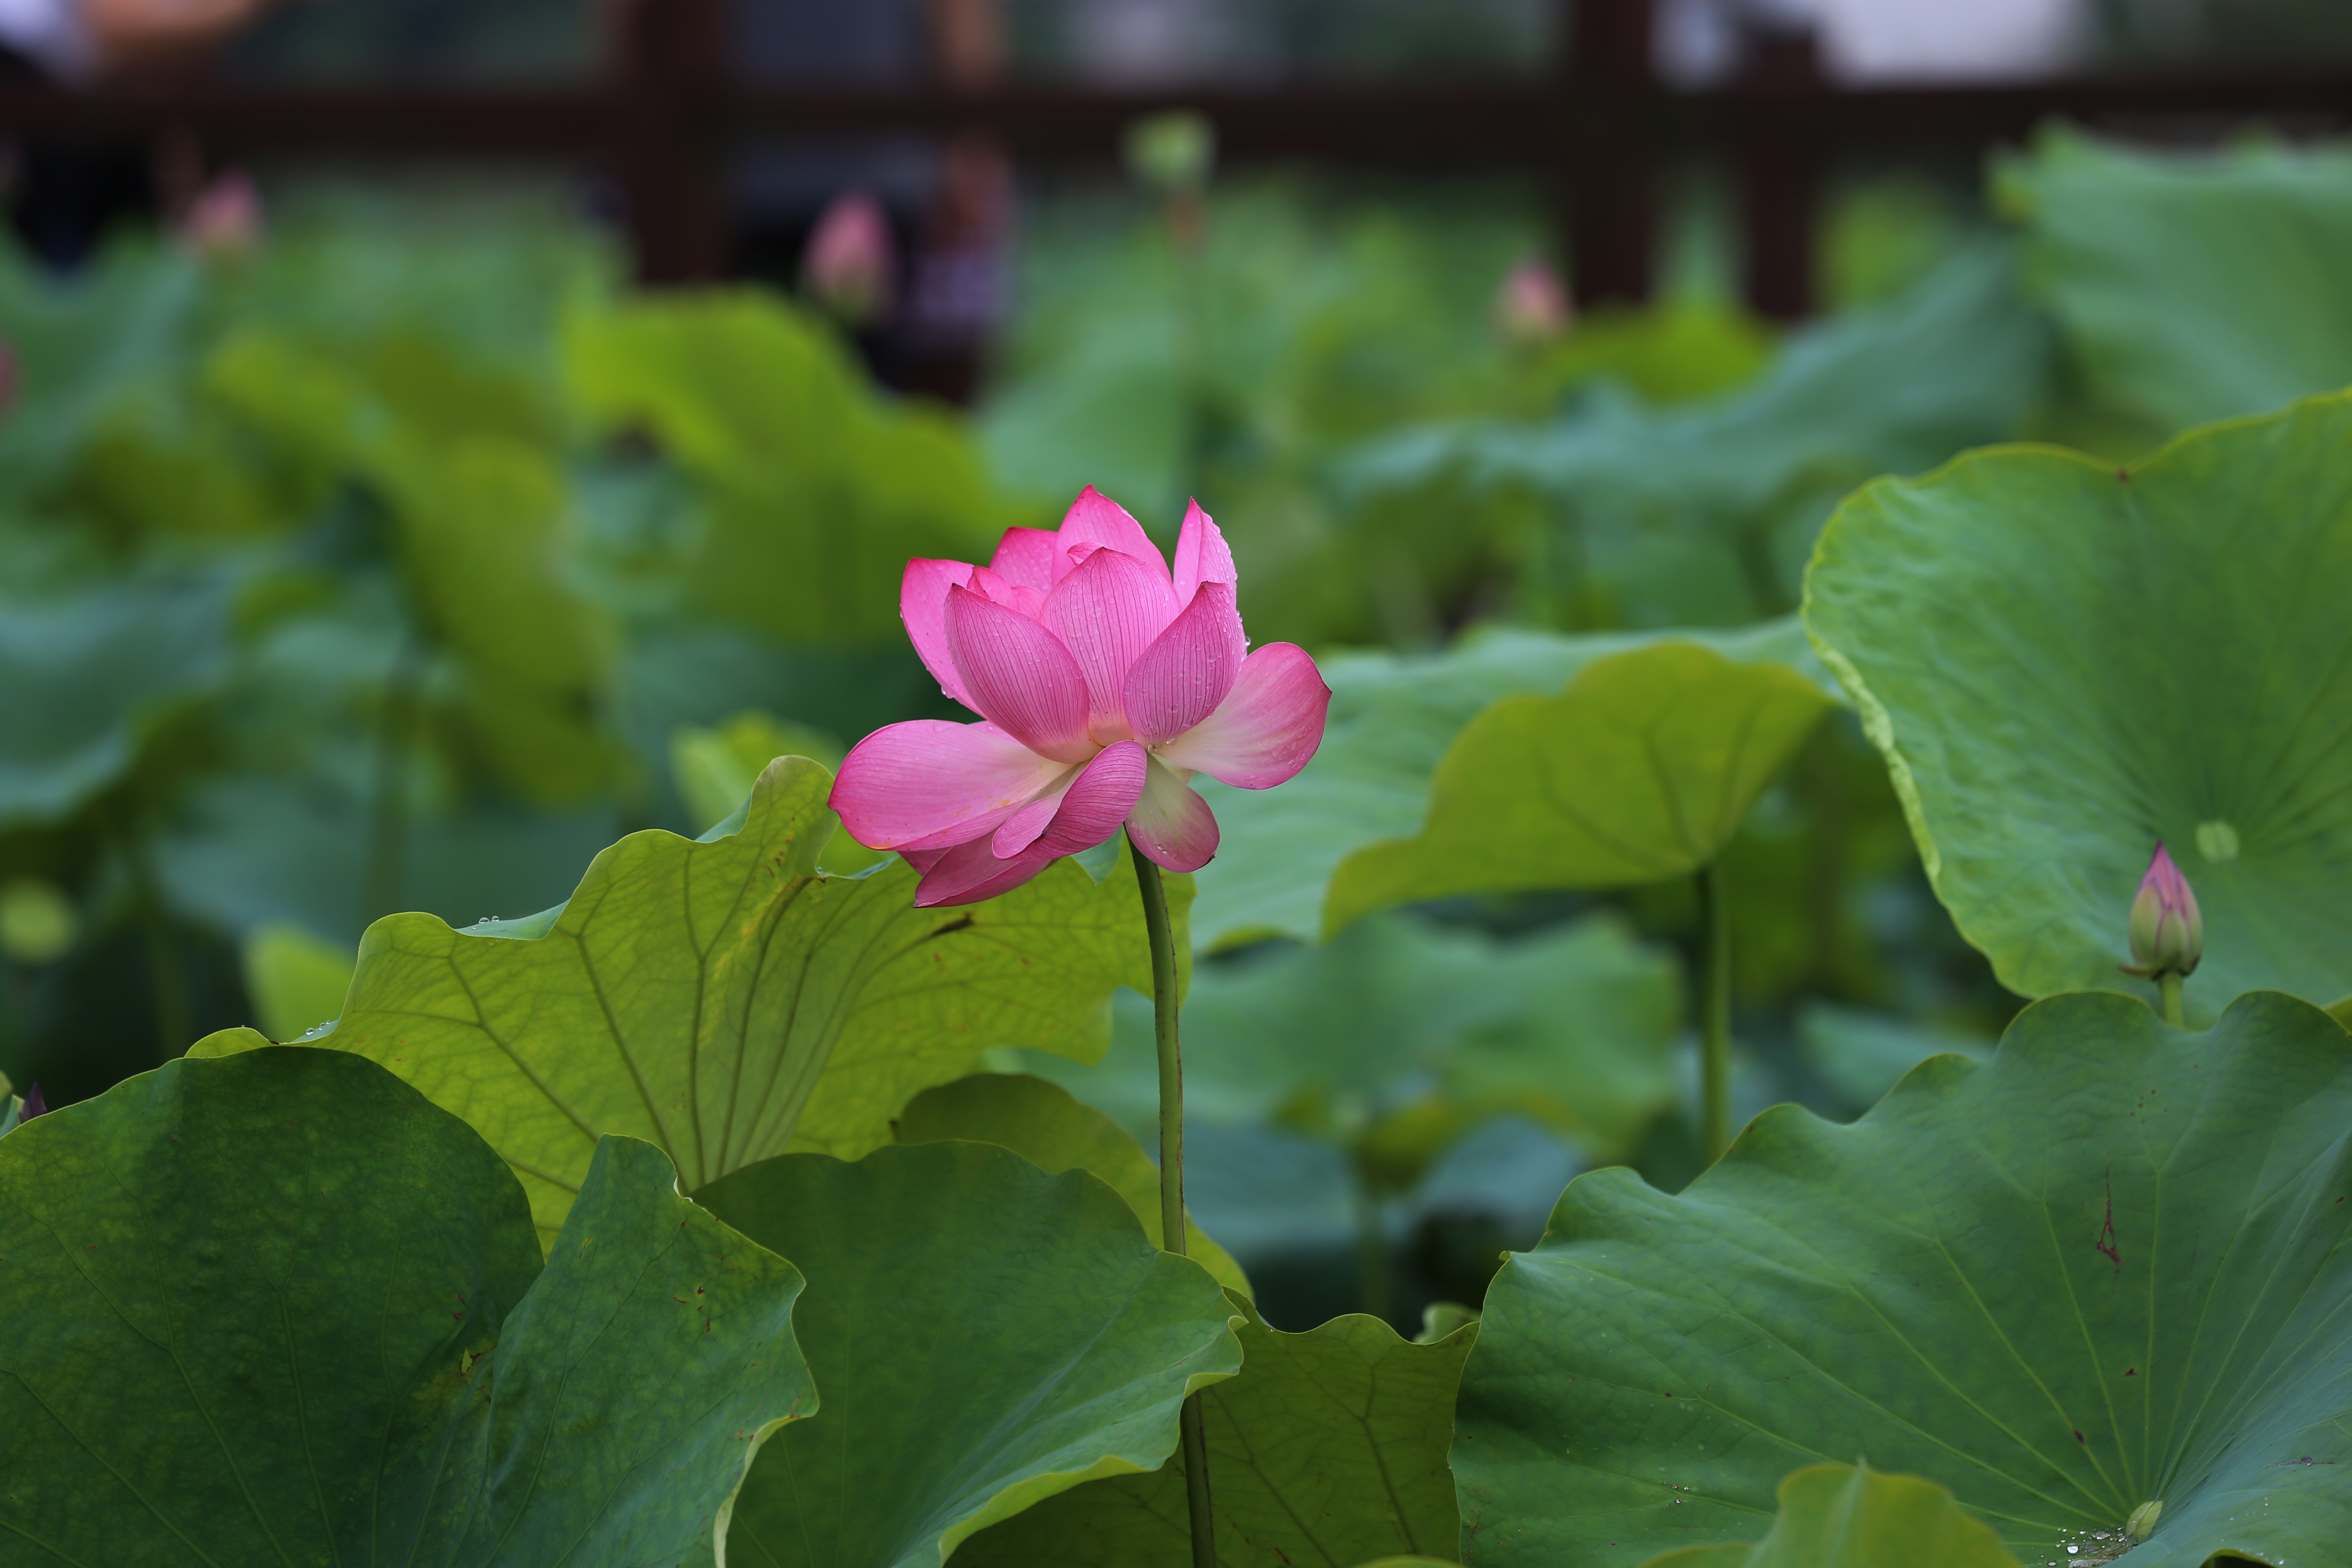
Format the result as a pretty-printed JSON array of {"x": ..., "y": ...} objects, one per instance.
[{"x": 1714, "y": 1013}]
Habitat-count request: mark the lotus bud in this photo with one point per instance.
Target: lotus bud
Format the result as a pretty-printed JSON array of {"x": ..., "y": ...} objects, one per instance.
[
  {"x": 2167, "y": 933},
  {"x": 225, "y": 219},
  {"x": 1531, "y": 306},
  {"x": 34, "y": 1106},
  {"x": 851, "y": 267}
]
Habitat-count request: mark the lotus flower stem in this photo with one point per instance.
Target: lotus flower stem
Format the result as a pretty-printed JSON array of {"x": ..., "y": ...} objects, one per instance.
[
  {"x": 396, "y": 742},
  {"x": 1714, "y": 1013},
  {"x": 167, "y": 971},
  {"x": 2168, "y": 983},
  {"x": 1194, "y": 1438}
]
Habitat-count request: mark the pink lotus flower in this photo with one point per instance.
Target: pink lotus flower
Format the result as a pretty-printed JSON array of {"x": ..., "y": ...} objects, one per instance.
[{"x": 1104, "y": 683}]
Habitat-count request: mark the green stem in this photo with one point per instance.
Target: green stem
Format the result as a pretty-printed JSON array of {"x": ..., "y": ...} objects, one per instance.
[
  {"x": 1714, "y": 1013},
  {"x": 2170, "y": 984},
  {"x": 387, "y": 851},
  {"x": 1374, "y": 1265},
  {"x": 167, "y": 972},
  {"x": 1193, "y": 1436}
]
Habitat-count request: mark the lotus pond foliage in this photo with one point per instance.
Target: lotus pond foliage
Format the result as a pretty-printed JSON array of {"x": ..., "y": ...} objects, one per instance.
[{"x": 1754, "y": 978}]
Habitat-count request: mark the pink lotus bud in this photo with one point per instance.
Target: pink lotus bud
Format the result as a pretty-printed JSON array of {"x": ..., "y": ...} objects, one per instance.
[
  {"x": 1531, "y": 306},
  {"x": 851, "y": 267},
  {"x": 34, "y": 1105},
  {"x": 2167, "y": 933},
  {"x": 224, "y": 218}
]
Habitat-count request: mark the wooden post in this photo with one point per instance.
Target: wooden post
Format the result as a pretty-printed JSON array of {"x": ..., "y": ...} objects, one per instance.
[
  {"x": 670, "y": 146},
  {"x": 1607, "y": 178},
  {"x": 1778, "y": 173}
]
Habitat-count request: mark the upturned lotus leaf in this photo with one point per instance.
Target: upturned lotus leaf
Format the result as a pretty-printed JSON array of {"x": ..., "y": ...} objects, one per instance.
[
  {"x": 725, "y": 1000},
  {"x": 2066, "y": 663}
]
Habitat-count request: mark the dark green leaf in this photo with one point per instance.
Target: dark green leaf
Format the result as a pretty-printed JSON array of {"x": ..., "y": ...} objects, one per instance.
[
  {"x": 1328, "y": 1448},
  {"x": 278, "y": 1309},
  {"x": 1046, "y": 1126},
  {"x": 986, "y": 1335},
  {"x": 2106, "y": 1269}
]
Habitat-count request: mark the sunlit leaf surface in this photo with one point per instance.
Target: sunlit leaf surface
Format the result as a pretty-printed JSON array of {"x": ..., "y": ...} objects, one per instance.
[
  {"x": 1393, "y": 719},
  {"x": 1642, "y": 769},
  {"x": 725, "y": 1001}
]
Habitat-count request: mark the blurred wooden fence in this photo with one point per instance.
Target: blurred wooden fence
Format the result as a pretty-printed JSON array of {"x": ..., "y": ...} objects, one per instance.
[{"x": 1596, "y": 129}]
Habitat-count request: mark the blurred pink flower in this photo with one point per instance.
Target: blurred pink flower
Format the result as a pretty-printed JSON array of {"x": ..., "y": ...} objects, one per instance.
[
  {"x": 1104, "y": 682},
  {"x": 850, "y": 267},
  {"x": 1531, "y": 306},
  {"x": 223, "y": 217}
]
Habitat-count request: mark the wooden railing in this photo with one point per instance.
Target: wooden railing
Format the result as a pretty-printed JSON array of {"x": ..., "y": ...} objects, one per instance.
[{"x": 1595, "y": 130}]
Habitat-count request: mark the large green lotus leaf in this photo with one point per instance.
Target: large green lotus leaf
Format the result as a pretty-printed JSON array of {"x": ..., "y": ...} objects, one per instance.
[
  {"x": 1044, "y": 1124},
  {"x": 986, "y": 1335},
  {"x": 1850, "y": 1516},
  {"x": 1643, "y": 769},
  {"x": 280, "y": 1308},
  {"x": 726, "y": 1001},
  {"x": 1329, "y": 1449},
  {"x": 2108, "y": 1267},
  {"x": 1392, "y": 718},
  {"x": 84, "y": 680},
  {"x": 2193, "y": 286},
  {"x": 818, "y": 493},
  {"x": 2064, "y": 663},
  {"x": 1573, "y": 1025}
]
